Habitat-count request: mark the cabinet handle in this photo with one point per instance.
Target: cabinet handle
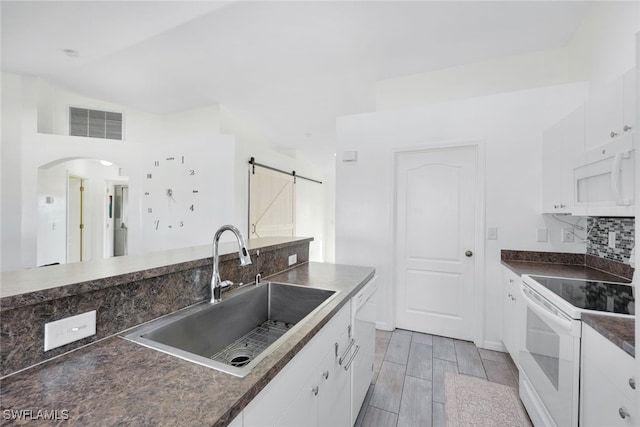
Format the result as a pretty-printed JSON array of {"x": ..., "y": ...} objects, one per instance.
[
  {"x": 510, "y": 296},
  {"x": 510, "y": 280},
  {"x": 632, "y": 383},
  {"x": 563, "y": 206},
  {"x": 353, "y": 356},
  {"x": 346, "y": 352},
  {"x": 325, "y": 375},
  {"x": 613, "y": 134},
  {"x": 315, "y": 390},
  {"x": 623, "y": 413},
  {"x": 556, "y": 206},
  {"x": 627, "y": 128}
]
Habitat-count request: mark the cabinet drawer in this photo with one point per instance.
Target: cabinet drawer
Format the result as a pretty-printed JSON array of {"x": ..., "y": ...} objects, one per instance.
[
  {"x": 611, "y": 361},
  {"x": 602, "y": 402}
]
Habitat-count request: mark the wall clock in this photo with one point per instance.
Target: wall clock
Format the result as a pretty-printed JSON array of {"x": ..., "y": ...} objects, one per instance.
[{"x": 170, "y": 196}]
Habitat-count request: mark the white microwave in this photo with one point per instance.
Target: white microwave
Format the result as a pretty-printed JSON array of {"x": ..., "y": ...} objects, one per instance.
[{"x": 604, "y": 180}]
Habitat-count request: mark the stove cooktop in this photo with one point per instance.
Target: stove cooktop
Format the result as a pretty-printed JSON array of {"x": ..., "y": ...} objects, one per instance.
[{"x": 617, "y": 298}]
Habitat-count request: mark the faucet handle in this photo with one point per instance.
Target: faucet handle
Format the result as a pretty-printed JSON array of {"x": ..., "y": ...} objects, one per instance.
[{"x": 226, "y": 284}]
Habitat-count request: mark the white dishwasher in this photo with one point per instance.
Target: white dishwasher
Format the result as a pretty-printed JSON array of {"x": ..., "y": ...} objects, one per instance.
[{"x": 363, "y": 344}]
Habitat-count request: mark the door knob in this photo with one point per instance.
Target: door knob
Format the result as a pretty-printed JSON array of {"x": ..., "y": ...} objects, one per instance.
[{"x": 468, "y": 253}]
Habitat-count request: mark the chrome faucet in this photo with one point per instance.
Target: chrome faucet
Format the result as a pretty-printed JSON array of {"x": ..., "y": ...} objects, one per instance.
[{"x": 245, "y": 259}]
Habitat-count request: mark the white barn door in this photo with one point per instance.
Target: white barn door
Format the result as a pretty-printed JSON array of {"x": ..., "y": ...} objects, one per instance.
[
  {"x": 272, "y": 202},
  {"x": 435, "y": 240}
]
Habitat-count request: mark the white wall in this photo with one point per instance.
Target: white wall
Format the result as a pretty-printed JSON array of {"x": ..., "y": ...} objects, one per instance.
[
  {"x": 311, "y": 198},
  {"x": 505, "y": 74},
  {"x": 603, "y": 47},
  {"x": 147, "y": 137},
  {"x": 510, "y": 124}
]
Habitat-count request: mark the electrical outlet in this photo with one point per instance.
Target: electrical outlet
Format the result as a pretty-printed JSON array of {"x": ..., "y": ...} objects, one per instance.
[
  {"x": 293, "y": 259},
  {"x": 612, "y": 239},
  {"x": 567, "y": 235},
  {"x": 68, "y": 330}
]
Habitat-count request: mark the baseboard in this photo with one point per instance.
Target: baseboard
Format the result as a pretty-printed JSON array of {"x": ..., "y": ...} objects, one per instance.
[
  {"x": 494, "y": 345},
  {"x": 384, "y": 326}
]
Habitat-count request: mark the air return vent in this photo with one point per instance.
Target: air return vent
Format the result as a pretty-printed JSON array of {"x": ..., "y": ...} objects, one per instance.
[{"x": 95, "y": 123}]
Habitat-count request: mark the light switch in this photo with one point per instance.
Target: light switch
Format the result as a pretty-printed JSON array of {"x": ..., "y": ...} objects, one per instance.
[
  {"x": 68, "y": 330},
  {"x": 492, "y": 233},
  {"x": 542, "y": 235}
]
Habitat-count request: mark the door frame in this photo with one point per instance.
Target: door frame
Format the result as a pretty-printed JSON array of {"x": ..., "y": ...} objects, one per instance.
[
  {"x": 83, "y": 214},
  {"x": 479, "y": 288}
]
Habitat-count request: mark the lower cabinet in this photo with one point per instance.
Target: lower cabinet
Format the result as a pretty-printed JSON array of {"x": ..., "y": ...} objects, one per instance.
[
  {"x": 607, "y": 383},
  {"x": 313, "y": 389},
  {"x": 511, "y": 313}
]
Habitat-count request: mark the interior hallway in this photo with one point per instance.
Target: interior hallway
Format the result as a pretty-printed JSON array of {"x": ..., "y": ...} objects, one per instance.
[{"x": 408, "y": 381}]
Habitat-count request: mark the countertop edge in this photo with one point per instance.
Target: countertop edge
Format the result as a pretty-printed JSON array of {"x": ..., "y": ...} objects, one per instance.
[{"x": 139, "y": 272}]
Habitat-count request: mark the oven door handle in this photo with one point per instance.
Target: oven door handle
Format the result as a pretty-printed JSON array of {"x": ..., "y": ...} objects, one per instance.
[{"x": 561, "y": 322}]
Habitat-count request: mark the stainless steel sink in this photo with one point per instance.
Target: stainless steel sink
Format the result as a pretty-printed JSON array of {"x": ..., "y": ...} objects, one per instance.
[{"x": 234, "y": 335}]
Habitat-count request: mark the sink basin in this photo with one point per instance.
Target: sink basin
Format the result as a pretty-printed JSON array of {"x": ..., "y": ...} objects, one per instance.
[{"x": 234, "y": 335}]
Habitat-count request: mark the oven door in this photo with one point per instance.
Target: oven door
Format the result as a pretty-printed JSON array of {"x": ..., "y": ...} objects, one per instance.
[{"x": 549, "y": 362}]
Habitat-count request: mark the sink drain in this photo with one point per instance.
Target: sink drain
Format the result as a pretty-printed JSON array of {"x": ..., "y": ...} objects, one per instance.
[{"x": 240, "y": 358}]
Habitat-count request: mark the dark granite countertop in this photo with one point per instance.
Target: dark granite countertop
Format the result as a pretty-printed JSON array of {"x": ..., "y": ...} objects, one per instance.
[
  {"x": 619, "y": 330},
  {"x": 117, "y": 382},
  {"x": 561, "y": 270}
]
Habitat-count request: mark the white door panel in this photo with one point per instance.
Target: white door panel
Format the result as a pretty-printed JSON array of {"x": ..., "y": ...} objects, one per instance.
[{"x": 435, "y": 226}]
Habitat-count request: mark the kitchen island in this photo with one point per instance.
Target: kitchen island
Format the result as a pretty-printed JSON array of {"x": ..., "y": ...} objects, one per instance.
[{"x": 117, "y": 382}]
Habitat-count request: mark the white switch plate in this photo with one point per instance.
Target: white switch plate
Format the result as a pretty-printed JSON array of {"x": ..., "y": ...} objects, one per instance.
[
  {"x": 612, "y": 239},
  {"x": 541, "y": 235},
  {"x": 70, "y": 329},
  {"x": 492, "y": 233},
  {"x": 293, "y": 259}
]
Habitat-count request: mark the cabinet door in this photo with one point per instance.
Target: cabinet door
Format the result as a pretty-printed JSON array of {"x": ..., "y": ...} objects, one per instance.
[
  {"x": 605, "y": 389},
  {"x": 335, "y": 389},
  {"x": 629, "y": 100},
  {"x": 303, "y": 408},
  {"x": 552, "y": 169},
  {"x": 510, "y": 314},
  {"x": 573, "y": 134},
  {"x": 604, "y": 114}
]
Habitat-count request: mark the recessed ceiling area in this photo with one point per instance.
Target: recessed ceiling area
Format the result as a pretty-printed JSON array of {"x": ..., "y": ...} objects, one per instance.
[{"x": 287, "y": 68}]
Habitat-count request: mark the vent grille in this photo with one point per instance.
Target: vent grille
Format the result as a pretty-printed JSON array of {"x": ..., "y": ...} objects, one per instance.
[{"x": 95, "y": 123}]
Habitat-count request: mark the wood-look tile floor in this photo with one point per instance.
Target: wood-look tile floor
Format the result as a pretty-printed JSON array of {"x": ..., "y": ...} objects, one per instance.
[{"x": 408, "y": 380}]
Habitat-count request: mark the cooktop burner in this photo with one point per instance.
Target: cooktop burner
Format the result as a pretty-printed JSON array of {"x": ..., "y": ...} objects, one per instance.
[{"x": 592, "y": 295}]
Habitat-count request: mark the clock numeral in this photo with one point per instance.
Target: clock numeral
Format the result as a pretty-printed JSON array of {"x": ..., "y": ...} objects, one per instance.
[
  {"x": 192, "y": 172},
  {"x": 146, "y": 193},
  {"x": 183, "y": 160},
  {"x": 149, "y": 176},
  {"x": 170, "y": 226},
  {"x": 157, "y": 223},
  {"x": 149, "y": 210},
  {"x": 171, "y": 158},
  {"x": 195, "y": 191},
  {"x": 192, "y": 208},
  {"x": 156, "y": 163},
  {"x": 181, "y": 223}
]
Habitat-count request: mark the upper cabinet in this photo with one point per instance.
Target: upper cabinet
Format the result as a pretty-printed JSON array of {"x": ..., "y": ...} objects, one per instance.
[
  {"x": 562, "y": 145},
  {"x": 588, "y": 158},
  {"x": 610, "y": 111}
]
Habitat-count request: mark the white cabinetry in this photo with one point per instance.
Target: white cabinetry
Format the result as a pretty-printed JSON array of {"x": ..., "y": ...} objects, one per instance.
[
  {"x": 607, "y": 383},
  {"x": 313, "y": 389},
  {"x": 610, "y": 111},
  {"x": 562, "y": 146},
  {"x": 510, "y": 313}
]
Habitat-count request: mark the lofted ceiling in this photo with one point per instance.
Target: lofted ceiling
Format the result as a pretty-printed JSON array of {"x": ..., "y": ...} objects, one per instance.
[{"x": 288, "y": 68}]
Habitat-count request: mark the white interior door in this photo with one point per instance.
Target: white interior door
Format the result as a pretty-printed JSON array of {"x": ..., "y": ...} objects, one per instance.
[
  {"x": 272, "y": 202},
  {"x": 435, "y": 241}
]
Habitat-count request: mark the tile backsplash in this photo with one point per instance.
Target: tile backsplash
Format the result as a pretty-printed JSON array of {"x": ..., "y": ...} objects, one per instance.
[{"x": 598, "y": 240}]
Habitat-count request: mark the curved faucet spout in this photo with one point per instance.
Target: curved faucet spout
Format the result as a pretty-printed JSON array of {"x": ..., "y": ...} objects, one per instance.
[{"x": 245, "y": 259}]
